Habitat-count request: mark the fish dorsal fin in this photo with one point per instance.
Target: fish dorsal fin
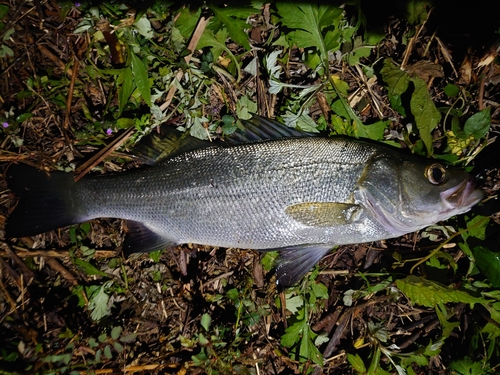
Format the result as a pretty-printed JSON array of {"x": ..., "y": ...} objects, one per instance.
[
  {"x": 167, "y": 142},
  {"x": 259, "y": 128},
  {"x": 324, "y": 214}
]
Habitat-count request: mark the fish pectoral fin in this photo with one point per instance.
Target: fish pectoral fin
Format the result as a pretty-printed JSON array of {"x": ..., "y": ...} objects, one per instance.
[
  {"x": 296, "y": 261},
  {"x": 324, "y": 214},
  {"x": 141, "y": 239}
]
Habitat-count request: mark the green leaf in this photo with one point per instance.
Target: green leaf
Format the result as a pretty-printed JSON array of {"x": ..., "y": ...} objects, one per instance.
[
  {"x": 429, "y": 293},
  {"x": 140, "y": 73},
  {"x": 143, "y": 26},
  {"x": 234, "y": 20},
  {"x": 118, "y": 347},
  {"x": 451, "y": 90},
  {"x": 311, "y": 25},
  {"x": 245, "y": 107},
  {"x": 115, "y": 332},
  {"x": 478, "y": 124},
  {"x": 417, "y": 11},
  {"x": 293, "y": 334},
  {"x": 488, "y": 263},
  {"x": 466, "y": 366},
  {"x": 187, "y": 20},
  {"x": 476, "y": 227},
  {"x": 425, "y": 112},
  {"x": 129, "y": 338},
  {"x": 217, "y": 43},
  {"x": 206, "y": 320},
  {"x": 98, "y": 302},
  {"x": 320, "y": 290},
  {"x": 107, "y": 352},
  {"x": 356, "y": 363},
  {"x": 299, "y": 332},
  {"x": 421, "y": 105},
  {"x": 88, "y": 268},
  {"x": 293, "y": 304},
  {"x": 125, "y": 89}
]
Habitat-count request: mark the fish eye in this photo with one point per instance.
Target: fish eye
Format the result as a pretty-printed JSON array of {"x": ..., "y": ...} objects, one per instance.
[{"x": 436, "y": 174}]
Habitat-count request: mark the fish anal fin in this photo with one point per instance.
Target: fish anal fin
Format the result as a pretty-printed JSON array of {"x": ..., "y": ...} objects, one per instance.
[
  {"x": 324, "y": 214},
  {"x": 295, "y": 261},
  {"x": 141, "y": 239}
]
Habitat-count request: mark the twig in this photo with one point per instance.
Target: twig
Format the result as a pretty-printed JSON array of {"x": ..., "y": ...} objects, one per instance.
[{"x": 97, "y": 158}]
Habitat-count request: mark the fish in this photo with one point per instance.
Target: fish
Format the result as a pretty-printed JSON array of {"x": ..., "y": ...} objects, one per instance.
[{"x": 267, "y": 188}]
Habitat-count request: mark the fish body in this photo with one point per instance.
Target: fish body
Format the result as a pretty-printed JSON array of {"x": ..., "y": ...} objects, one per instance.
[{"x": 300, "y": 195}]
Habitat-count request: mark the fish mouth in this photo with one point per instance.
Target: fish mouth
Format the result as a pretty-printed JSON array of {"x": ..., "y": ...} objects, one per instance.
[{"x": 463, "y": 196}]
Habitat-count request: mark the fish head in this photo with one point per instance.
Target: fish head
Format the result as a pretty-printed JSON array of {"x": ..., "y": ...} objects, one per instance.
[{"x": 405, "y": 194}]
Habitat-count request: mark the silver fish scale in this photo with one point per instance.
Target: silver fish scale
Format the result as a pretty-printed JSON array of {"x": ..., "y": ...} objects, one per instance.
[{"x": 236, "y": 196}]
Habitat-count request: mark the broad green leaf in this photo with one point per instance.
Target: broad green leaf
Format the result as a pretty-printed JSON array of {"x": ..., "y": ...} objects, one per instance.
[
  {"x": 478, "y": 124},
  {"x": 429, "y": 293},
  {"x": 125, "y": 88},
  {"x": 187, "y": 20},
  {"x": 311, "y": 25},
  {"x": 397, "y": 83},
  {"x": 488, "y": 263},
  {"x": 425, "y": 112},
  {"x": 140, "y": 73},
  {"x": 476, "y": 227},
  {"x": 234, "y": 20},
  {"x": 397, "y": 80},
  {"x": 421, "y": 105}
]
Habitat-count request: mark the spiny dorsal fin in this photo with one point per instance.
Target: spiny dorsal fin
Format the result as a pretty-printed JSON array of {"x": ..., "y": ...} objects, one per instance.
[{"x": 168, "y": 142}]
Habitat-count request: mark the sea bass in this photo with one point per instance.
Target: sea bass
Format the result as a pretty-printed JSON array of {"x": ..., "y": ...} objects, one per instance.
[{"x": 301, "y": 195}]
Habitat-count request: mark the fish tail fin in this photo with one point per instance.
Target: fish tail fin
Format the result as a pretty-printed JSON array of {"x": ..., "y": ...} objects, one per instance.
[{"x": 45, "y": 201}]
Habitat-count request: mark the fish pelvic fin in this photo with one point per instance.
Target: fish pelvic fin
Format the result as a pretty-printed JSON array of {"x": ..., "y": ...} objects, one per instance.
[
  {"x": 46, "y": 201},
  {"x": 296, "y": 261},
  {"x": 142, "y": 239}
]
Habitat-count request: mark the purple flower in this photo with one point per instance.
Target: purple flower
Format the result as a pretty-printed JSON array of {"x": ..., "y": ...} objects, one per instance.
[
  {"x": 77, "y": 4},
  {"x": 5, "y": 124},
  {"x": 109, "y": 131}
]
